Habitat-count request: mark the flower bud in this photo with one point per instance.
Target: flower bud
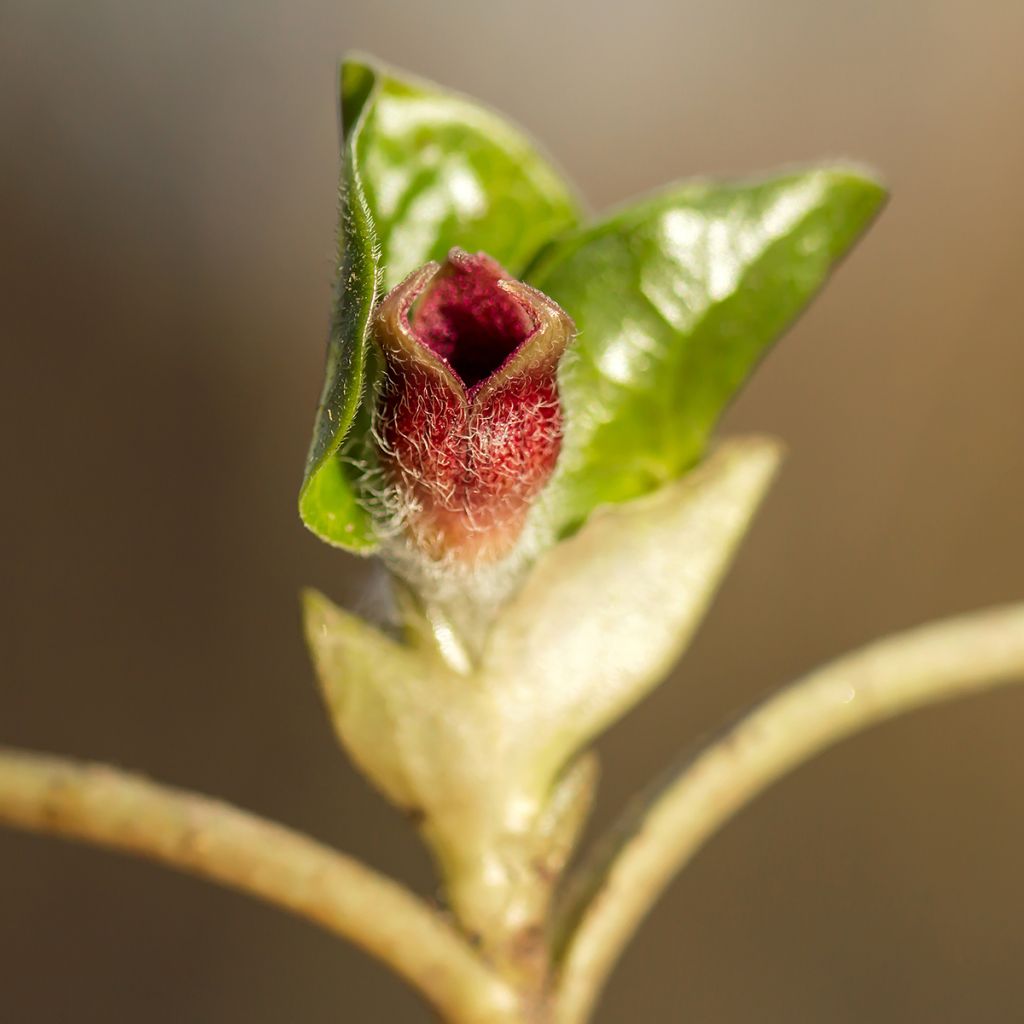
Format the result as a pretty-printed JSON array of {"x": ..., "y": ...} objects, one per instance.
[{"x": 469, "y": 421}]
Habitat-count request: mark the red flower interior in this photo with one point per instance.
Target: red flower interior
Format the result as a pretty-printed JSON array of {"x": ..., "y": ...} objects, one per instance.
[
  {"x": 469, "y": 420},
  {"x": 469, "y": 321}
]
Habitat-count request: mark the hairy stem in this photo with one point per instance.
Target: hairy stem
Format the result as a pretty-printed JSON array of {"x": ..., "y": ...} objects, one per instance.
[
  {"x": 204, "y": 837},
  {"x": 906, "y": 671}
]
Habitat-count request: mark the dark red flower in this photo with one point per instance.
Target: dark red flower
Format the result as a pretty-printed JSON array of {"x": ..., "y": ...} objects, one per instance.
[{"x": 469, "y": 421}]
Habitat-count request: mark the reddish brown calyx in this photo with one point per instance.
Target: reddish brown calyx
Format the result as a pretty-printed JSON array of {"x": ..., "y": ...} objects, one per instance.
[{"x": 469, "y": 420}]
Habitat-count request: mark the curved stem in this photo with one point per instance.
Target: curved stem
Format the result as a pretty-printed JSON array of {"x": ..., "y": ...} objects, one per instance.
[
  {"x": 205, "y": 837},
  {"x": 906, "y": 671}
]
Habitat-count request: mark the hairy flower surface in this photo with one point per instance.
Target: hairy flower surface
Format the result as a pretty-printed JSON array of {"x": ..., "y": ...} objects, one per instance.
[{"x": 469, "y": 420}]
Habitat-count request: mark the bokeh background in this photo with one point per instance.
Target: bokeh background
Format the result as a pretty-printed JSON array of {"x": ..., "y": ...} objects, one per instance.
[{"x": 167, "y": 206}]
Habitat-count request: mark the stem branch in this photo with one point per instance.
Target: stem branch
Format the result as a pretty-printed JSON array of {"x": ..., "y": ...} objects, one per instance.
[
  {"x": 211, "y": 839},
  {"x": 903, "y": 672}
]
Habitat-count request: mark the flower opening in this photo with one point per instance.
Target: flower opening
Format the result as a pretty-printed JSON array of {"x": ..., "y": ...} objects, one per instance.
[{"x": 469, "y": 420}]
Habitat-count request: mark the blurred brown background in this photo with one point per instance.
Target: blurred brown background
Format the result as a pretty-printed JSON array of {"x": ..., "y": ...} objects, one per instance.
[{"x": 167, "y": 195}]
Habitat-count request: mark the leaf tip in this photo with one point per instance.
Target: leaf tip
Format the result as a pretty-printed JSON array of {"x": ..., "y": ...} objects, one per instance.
[
  {"x": 753, "y": 459},
  {"x": 317, "y": 612},
  {"x": 765, "y": 449},
  {"x": 331, "y": 510},
  {"x": 865, "y": 187},
  {"x": 357, "y": 74}
]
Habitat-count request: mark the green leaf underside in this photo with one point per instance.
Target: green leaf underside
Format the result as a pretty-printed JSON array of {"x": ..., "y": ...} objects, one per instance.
[
  {"x": 422, "y": 171},
  {"x": 676, "y": 298}
]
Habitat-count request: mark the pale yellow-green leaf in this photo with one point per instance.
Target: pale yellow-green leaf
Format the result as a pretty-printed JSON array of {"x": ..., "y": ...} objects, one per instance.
[
  {"x": 605, "y": 614},
  {"x": 368, "y": 682},
  {"x": 436, "y": 741}
]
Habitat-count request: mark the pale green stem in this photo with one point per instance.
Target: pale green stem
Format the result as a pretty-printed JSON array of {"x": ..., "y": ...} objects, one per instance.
[
  {"x": 214, "y": 840},
  {"x": 906, "y": 671}
]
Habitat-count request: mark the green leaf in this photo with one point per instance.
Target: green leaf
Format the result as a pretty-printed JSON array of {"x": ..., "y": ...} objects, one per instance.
[
  {"x": 376, "y": 691},
  {"x": 604, "y": 614},
  {"x": 676, "y": 298},
  {"x": 422, "y": 170}
]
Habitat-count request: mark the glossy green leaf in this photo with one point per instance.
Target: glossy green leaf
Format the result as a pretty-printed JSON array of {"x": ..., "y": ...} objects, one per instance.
[
  {"x": 676, "y": 298},
  {"x": 422, "y": 171}
]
